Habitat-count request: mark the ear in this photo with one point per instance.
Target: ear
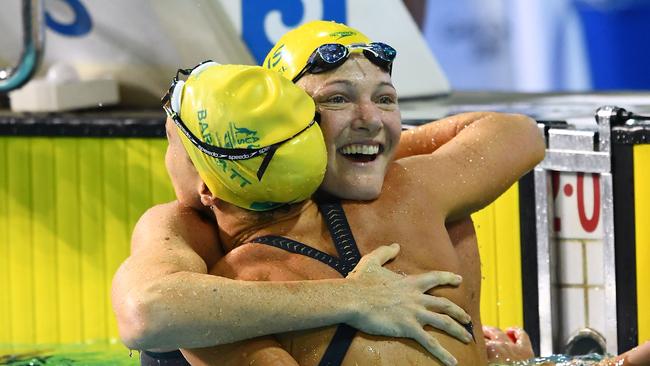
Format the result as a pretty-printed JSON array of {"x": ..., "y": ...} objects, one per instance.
[{"x": 207, "y": 199}]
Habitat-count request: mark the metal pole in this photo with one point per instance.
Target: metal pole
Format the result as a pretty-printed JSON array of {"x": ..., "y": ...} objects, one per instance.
[{"x": 33, "y": 45}]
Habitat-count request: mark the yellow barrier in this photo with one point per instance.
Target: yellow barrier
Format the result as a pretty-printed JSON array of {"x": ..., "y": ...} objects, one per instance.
[
  {"x": 497, "y": 229},
  {"x": 67, "y": 207},
  {"x": 642, "y": 224}
]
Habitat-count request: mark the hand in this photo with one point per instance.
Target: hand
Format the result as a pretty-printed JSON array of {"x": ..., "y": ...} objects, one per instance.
[
  {"x": 395, "y": 305},
  {"x": 510, "y": 347}
]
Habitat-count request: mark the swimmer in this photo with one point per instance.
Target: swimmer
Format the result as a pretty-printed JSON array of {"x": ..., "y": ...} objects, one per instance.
[
  {"x": 164, "y": 278},
  {"x": 299, "y": 242},
  {"x": 140, "y": 321}
]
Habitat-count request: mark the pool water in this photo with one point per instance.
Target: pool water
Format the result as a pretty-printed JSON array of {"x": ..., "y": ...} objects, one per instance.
[
  {"x": 116, "y": 355},
  {"x": 92, "y": 355},
  {"x": 559, "y": 360}
]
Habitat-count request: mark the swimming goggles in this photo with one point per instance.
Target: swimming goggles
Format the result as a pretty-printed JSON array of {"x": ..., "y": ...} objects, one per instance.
[
  {"x": 171, "y": 103},
  {"x": 332, "y": 55}
]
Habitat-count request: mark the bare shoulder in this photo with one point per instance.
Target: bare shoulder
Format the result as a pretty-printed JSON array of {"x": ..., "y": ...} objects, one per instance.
[
  {"x": 173, "y": 227},
  {"x": 259, "y": 262}
]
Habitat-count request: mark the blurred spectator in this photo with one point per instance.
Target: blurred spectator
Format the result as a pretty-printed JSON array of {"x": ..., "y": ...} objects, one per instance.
[{"x": 540, "y": 45}]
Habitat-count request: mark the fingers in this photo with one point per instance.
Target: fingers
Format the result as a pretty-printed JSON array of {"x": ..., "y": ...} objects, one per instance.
[
  {"x": 446, "y": 324},
  {"x": 429, "y": 280},
  {"x": 382, "y": 254},
  {"x": 443, "y": 305},
  {"x": 519, "y": 336},
  {"x": 514, "y": 344},
  {"x": 639, "y": 355},
  {"x": 431, "y": 344},
  {"x": 495, "y": 334},
  {"x": 496, "y": 352}
]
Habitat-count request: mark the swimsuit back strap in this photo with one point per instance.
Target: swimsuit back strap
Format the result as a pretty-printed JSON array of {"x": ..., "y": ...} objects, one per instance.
[
  {"x": 300, "y": 248},
  {"x": 338, "y": 347},
  {"x": 346, "y": 246},
  {"x": 340, "y": 231}
]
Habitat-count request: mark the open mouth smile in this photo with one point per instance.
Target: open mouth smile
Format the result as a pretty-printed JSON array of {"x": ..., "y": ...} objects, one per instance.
[{"x": 361, "y": 153}]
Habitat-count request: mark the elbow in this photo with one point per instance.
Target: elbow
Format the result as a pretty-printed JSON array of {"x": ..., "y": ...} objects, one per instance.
[
  {"x": 531, "y": 137},
  {"x": 139, "y": 323}
]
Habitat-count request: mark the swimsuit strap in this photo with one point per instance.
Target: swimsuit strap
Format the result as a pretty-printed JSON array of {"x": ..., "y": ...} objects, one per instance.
[
  {"x": 346, "y": 246},
  {"x": 300, "y": 248},
  {"x": 340, "y": 231},
  {"x": 349, "y": 256},
  {"x": 173, "y": 358}
]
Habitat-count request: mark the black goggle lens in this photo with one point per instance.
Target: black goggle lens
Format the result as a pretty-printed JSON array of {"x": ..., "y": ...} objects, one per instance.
[{"x": 332, "y": 55}]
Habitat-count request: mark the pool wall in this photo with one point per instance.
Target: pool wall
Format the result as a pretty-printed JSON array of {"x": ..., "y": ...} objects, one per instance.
[{"x": 67, "y": 207}]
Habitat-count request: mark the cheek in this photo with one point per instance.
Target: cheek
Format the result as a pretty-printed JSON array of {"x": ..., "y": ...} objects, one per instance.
[
  {"x": 333, "y": 123},
  {"x": 393, "y": 124}
]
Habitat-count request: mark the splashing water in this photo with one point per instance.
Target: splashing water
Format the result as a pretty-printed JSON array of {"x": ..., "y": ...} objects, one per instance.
[{"x": 559, "y": 360}]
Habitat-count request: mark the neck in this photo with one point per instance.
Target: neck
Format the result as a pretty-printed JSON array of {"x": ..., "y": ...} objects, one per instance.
[{"x": 237, "y": 224}]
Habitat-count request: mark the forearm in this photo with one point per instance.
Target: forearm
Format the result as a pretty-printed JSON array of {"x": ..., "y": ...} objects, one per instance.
[
  {"x": 427, "y": 138},
  {"x": 229, "y": 310}
]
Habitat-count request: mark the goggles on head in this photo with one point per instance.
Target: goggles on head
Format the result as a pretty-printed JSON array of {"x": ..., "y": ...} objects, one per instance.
[
  {"x": 332, "y": 55},
  {"x": 171, "y": 103}
]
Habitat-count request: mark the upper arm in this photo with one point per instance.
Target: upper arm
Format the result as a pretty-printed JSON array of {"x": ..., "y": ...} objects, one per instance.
[
  {"x": 167, "y": 239},
  {"x": 479, "y": 164}
]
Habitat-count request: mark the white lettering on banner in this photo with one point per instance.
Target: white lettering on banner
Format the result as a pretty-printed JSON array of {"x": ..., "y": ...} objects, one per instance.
[
  {"x": 274, "y": 27},
  {"x": 577, "y": 205}
]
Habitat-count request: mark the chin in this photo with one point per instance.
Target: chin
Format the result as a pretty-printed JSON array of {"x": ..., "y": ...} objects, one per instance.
[{"x": 354, "y": 192}]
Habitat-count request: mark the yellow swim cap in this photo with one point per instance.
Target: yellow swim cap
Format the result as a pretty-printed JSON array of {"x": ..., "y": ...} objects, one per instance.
[
  {"x": 245, "y": 109},
  {"x": 289, "y": 56}
]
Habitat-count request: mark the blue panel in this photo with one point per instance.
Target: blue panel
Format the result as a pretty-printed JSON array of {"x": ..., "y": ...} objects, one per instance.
[
  {"x": 618, "y": 45},
  {"x": 254, "y": 12}
]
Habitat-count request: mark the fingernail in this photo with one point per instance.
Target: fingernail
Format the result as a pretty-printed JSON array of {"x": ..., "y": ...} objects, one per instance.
[
  {"x": 511, "y": 334},
  {"x": 452, "y": 361}
]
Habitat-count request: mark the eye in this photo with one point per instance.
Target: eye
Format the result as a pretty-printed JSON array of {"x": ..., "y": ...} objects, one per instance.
[
  {"x": 386, "y": 99},
  {"x": 336, "y": 99}
]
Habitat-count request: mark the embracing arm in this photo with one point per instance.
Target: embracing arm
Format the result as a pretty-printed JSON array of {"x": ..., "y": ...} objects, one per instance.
[
  {"x": 479, "y": 164},
  {"x": 164, "y": 298},
  {"x": 427, "y": 138}
]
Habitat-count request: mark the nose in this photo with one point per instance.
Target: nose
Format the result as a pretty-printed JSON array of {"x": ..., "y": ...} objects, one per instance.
[{"x": 368, "y": 117}]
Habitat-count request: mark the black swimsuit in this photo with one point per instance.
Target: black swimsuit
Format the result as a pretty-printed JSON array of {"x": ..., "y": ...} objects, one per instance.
[{"x": 349, "y": 257}]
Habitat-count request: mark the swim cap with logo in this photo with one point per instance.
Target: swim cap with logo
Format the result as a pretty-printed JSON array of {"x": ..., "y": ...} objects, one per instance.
[
  {"x": 236, "y": 106},
  {"x": 290, "y": 54}
]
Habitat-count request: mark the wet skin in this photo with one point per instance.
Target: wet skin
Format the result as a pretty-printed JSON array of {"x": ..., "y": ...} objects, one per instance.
[{"x": 358, "y": 106}]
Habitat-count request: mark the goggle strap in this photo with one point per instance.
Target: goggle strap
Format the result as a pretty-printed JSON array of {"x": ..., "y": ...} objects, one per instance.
[
  {"x": 175, "y": 99},
  {"x": 266, "y": 161},
  {"x": 229, "y": 153}
]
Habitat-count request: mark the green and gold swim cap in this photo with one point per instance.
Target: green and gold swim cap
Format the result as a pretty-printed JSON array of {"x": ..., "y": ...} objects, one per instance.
[
  {"x": 249, "y": 107},
  {"x": 290, "y": 54}
]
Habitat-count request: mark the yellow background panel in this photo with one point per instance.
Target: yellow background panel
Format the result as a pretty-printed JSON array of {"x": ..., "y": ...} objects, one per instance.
[
  {"x": 642, "y": 224},
  {"x": 67, "y": 208},
  {"x": 5, "y": 305},
  {"x": 497, "y": 229}
]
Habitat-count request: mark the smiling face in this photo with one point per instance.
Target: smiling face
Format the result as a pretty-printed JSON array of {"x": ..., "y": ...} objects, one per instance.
[{"x": 361, "y": 124}]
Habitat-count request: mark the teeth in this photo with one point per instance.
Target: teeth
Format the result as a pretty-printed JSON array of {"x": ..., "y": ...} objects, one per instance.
[{"x": 360, "y": 149}]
